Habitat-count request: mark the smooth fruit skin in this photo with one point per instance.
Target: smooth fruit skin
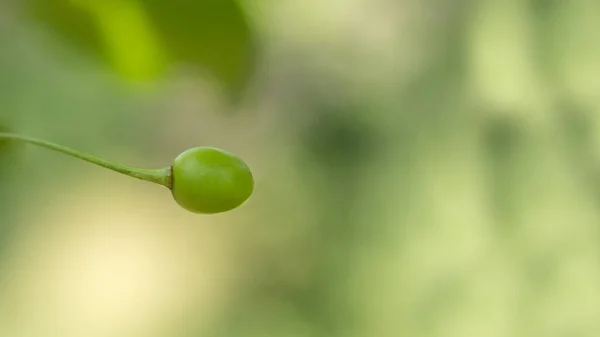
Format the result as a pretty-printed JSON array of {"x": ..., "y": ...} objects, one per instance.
[{"x": 207, "y": 180}]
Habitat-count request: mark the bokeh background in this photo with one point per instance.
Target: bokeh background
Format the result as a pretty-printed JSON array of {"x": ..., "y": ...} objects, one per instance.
[{"x": 423, "y": 168}]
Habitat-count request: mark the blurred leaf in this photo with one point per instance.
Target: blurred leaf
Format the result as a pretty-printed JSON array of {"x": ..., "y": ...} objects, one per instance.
[
  {"x": 140, "y": 38},
  {"x": 116, "y": 32},
  {"x": 211, "y": 33},
  {"x": 74, "y": 24}
]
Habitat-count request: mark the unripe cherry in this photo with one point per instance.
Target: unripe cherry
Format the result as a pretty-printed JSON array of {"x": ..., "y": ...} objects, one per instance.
[
  {"x": 209, "y": 180},
  {"x": 203, "y": 180}
]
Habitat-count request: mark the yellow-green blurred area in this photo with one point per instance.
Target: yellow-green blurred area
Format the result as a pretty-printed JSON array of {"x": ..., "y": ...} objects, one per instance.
[{"x": 424, "y": 168}]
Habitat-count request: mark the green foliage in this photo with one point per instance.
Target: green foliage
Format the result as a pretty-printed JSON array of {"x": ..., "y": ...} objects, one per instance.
[
  {"x": 74, "y": 24},
  {"x": 141, "y": 39},
  {"x": 211, "y": 33}
]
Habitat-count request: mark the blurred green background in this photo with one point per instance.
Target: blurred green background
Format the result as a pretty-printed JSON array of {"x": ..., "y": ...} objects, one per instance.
[{"x": 423, "y": 168}]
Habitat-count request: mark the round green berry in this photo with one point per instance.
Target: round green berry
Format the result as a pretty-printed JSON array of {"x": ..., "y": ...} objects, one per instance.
[{"x": 208, "y": 180}]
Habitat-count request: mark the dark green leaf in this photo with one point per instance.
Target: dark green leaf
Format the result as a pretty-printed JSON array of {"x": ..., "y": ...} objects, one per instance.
[
  {"x": 73, "y": 24},
  {"x": 140, "y": 38},
  {"x": 212, "y": 33}
]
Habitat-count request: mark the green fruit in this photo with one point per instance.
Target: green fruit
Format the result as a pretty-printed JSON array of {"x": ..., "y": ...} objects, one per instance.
[
  {"x": 202, "y": 180},
  {"x": 208, "y": 180}
]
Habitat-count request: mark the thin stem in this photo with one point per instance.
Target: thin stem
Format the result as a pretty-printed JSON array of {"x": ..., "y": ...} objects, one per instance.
[{"x": 157, "y": 176}]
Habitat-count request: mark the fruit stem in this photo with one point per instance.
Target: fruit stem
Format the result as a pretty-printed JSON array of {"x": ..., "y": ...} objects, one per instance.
[{"x": 157, "y": 176}]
